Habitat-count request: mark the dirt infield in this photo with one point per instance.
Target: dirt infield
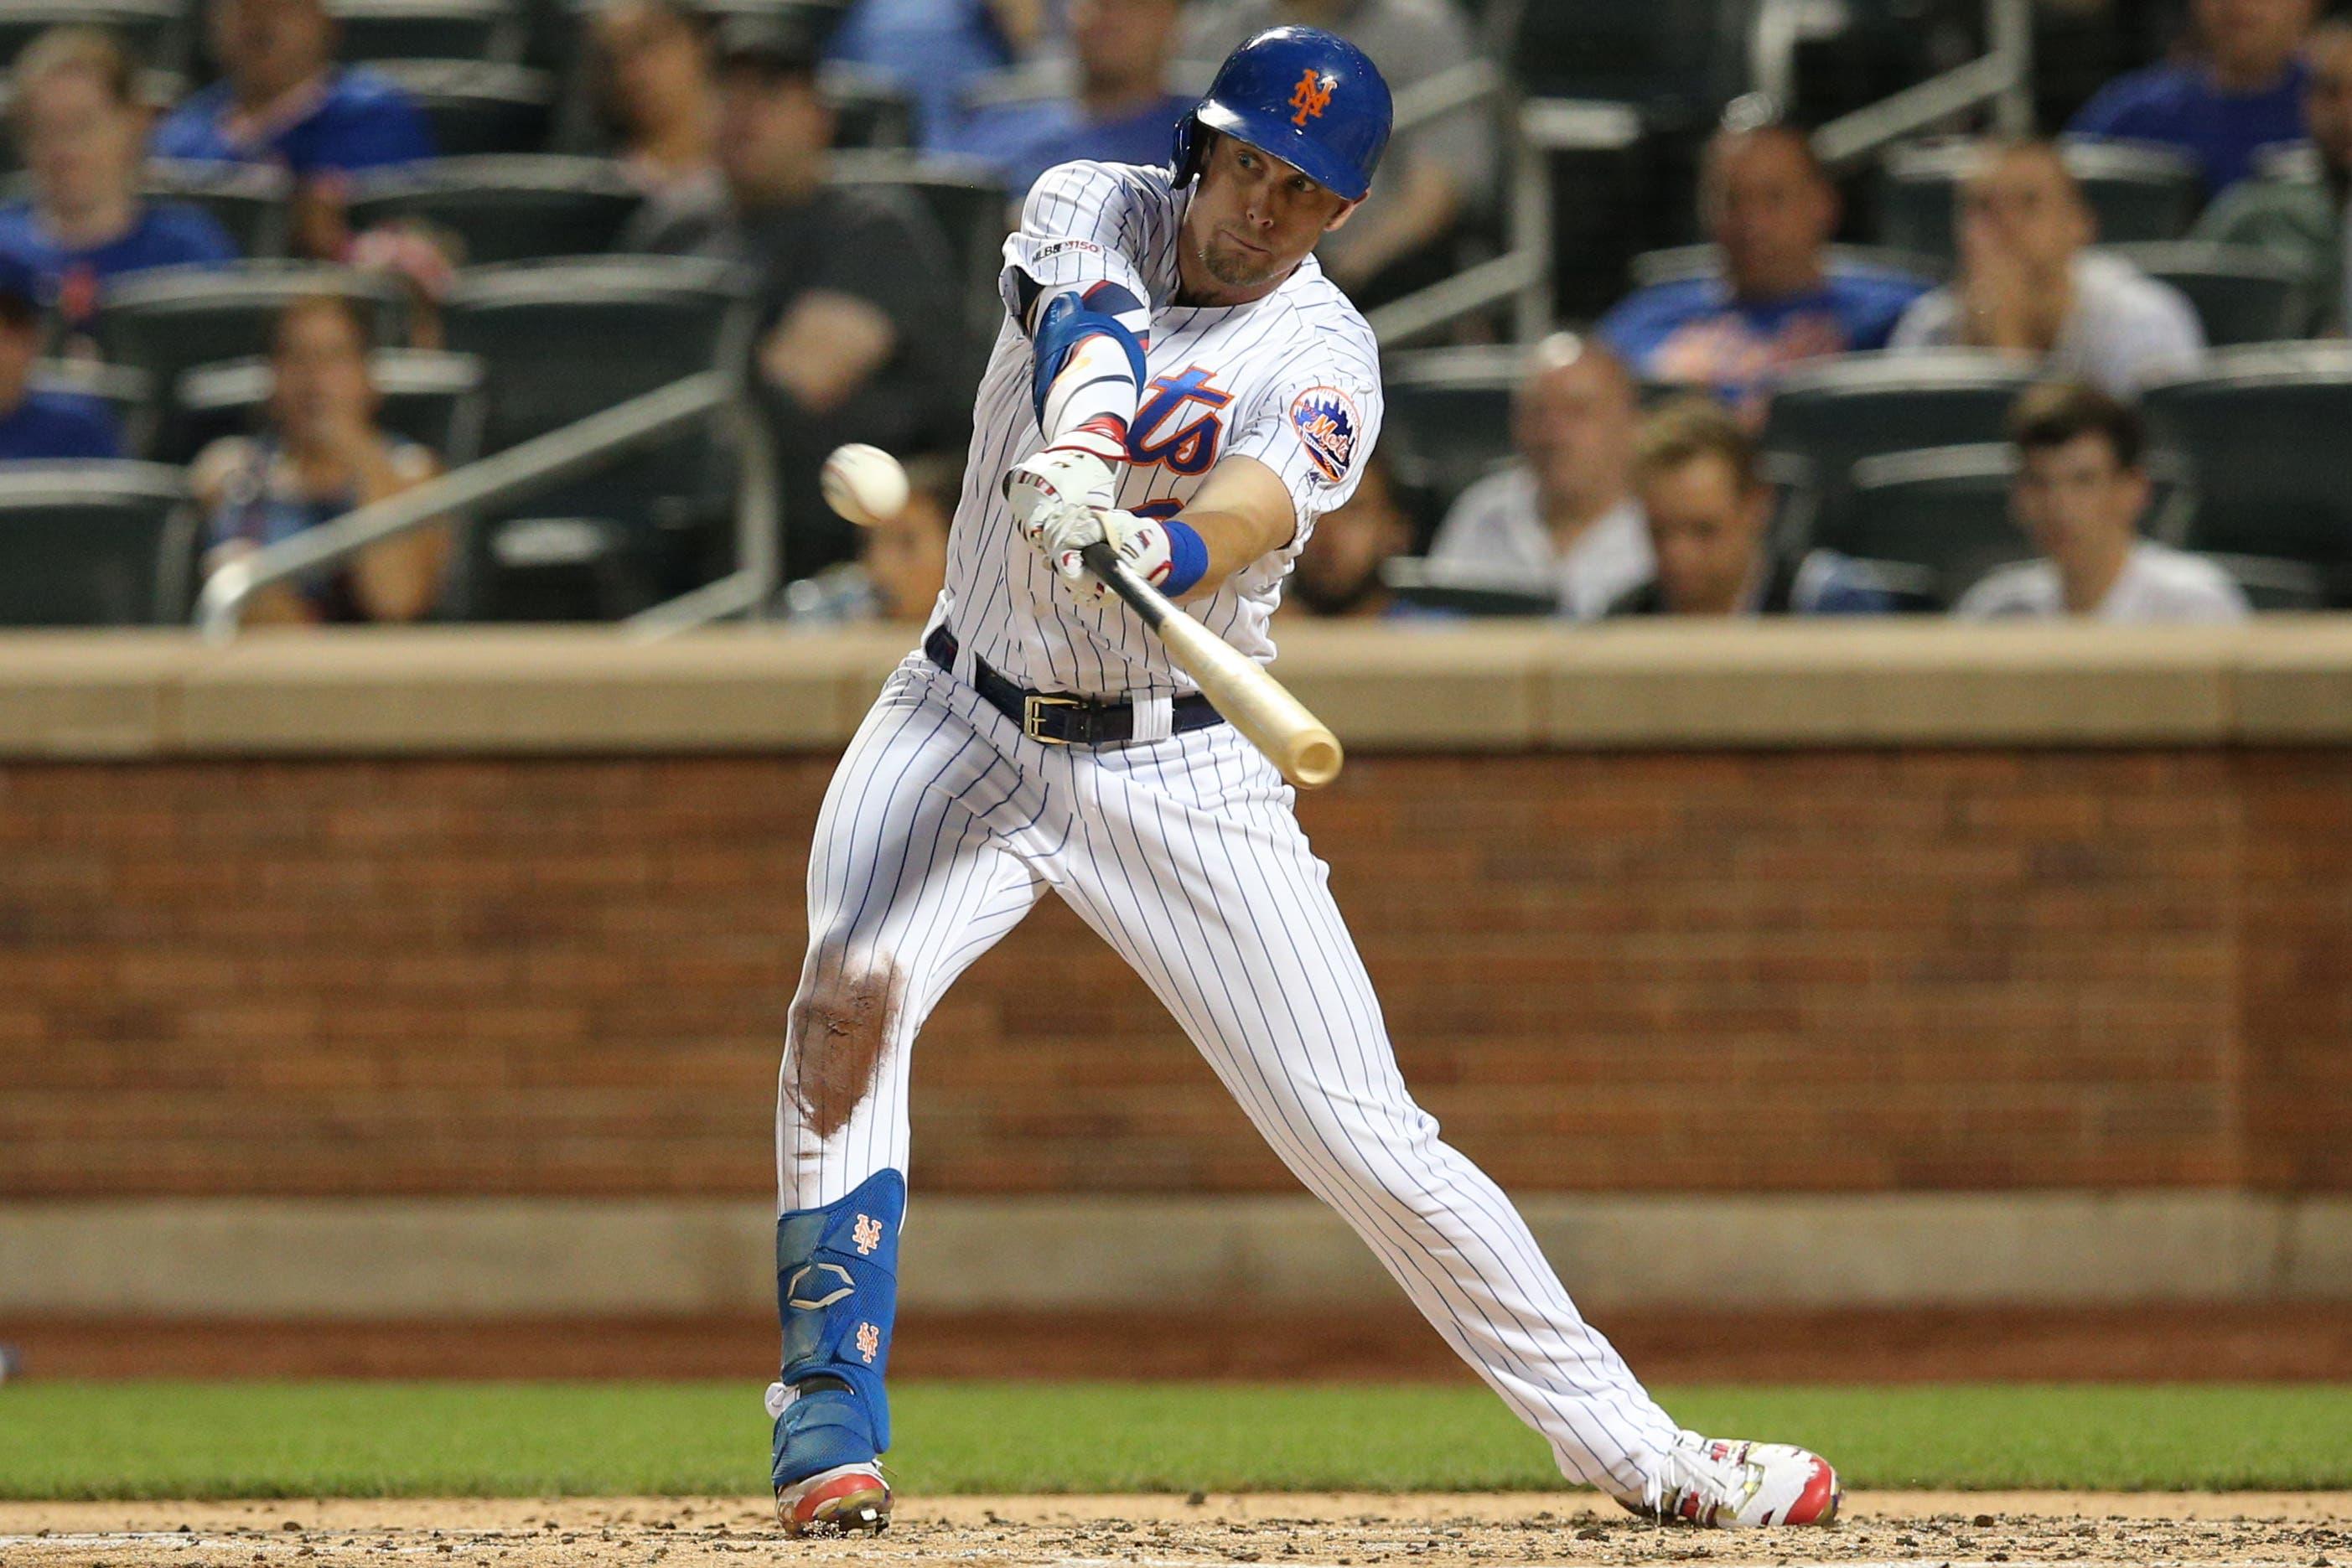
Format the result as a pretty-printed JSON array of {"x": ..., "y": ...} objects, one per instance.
[{"x": 1952, "y": 1530}]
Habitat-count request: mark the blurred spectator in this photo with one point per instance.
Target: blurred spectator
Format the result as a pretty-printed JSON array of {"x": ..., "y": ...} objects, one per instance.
[
  {"x": 1338, "y": 568},
  {"x": 902, "y": 561},
  {"x": 2079, "y": 494},
  {"x": 322, "y": 456},
  {"x": 35, "y": 425},
  {"x": 2241, "y": 90},
  {"x": 83, "y": 131},
  {"x": 935, "y": 50},
  {"x": 653, "y": 67},
  {"x": 2301, "y": 221},
  {"x": 858, "y": 318},
  {"x": 1700, "y": 479},
  {"x": 2030, "y": 284},
  {"x": 1435, "y": 177},
  {"x": 1563, "y": 513},
  {"x": 282, "y": 99},
  {"x": 1771, "y": 208},
  {"x": 1120, "y": 112}
]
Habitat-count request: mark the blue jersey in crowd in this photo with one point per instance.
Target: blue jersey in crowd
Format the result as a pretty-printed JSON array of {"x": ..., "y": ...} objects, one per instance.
[
  {"x": 71, "y": 281},
  {"x": 933, "y": 49},
  {"x": 1026, "y": 140},
  {"x": 51, "y": 425},
  {"x": 2181, "y": 107},
  {"x": 1692, "y": 330},
  {"x": 356, "y": 119}
]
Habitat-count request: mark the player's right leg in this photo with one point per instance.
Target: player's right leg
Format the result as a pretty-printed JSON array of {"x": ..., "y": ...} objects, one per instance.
[{"x": 907, "y": 885}]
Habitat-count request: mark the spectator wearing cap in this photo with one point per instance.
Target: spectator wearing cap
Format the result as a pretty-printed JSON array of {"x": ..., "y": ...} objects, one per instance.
[
  {"x": 1564, "y": 514},
  {"x": 1121, "y": 111},
  {"x": 282, "y": 100},
  {"x": 653, "y": 82},
  {"x": 1700, "y": 479},
  {"x": 2029, "y": 284},
  {"x": 2080, "y": 491},
  {"x": 1435, "y": 176},
  {"x": 1338, "y": 574},
  {"x": 1771, "y": 208},
  {"x": 75, "y": 110},
  {"x": 321, "y": 454},
  {"x": 36, "y": 426},
  {"x": 936, "y": 50},
  {"x": 858, "y": 321},
  {"x": 2300, "y": 218},
  {"x": 2241, "y": 90}
]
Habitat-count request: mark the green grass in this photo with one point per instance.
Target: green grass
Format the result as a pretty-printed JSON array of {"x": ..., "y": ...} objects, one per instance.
[{"x": 368, "y": 1439}]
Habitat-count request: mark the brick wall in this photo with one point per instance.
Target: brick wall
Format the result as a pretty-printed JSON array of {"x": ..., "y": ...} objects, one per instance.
[{"x": 1853, "y": 970}]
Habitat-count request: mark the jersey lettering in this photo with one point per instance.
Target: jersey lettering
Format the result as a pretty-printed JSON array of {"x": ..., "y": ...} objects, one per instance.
[{"x": 1191, "y": 446}]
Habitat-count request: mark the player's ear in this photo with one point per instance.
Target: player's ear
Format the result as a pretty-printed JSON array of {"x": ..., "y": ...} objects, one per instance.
[{"x": 1339, "y": 218}]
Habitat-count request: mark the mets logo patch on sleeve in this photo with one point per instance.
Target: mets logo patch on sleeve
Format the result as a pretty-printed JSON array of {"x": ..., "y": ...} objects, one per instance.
[{"x": 1326, "y": 421}]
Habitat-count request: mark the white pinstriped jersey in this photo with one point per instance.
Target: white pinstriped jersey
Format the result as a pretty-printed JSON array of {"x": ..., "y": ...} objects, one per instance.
[{"x": 1291, "y": 380}]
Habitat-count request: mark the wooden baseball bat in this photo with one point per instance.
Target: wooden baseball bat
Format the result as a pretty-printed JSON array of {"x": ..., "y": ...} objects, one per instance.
[{"x": 1253, "y": 701}]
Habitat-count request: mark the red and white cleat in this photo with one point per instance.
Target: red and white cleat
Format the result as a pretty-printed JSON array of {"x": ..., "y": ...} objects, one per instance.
[
  {"x": 1721, "y": 1485},
  {"x": 845, "y": 1498}
]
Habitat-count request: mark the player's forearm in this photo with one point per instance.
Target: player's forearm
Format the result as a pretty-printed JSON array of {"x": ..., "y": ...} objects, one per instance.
[{"x": 1235, "y": 541}]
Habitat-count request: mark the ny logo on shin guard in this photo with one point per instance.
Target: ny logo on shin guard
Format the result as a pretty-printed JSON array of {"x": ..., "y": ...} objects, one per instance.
[
  {"x": 867, "y": 1234},
  {"x": 869, "y": 1342},
  {"x": 792, "y": 1290}
]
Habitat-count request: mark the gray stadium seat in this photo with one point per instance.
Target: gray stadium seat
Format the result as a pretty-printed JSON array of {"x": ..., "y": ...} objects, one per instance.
[
  {"x": 1943, "y": 511},
  {"x": 125, "y": 393},
  {"x": 428, "y": 396},
  {"x": 1679, "y": 264},
  {"x": 375, "y": 30},
  {"x": 868, "y": 111},
  {"x": 560, "y": 340},
  {"x": 477, "y": 106},
  {"x": 2262, "y": 431},
  {"x": 2242, "y": 295},
  {"x": 95, "y": 544},
  {"x": 1448, "y": 420},
  {"x": 1681, "y": 58},
  {"x": 1829, "y": 415},
  {"x": 2139, "y": 192},
  {"x": 157, "y": 32},
  {"x": 517, "y": 207},
  {"x": 173, "y": 318},
  {"x": 246, "y": 199}
]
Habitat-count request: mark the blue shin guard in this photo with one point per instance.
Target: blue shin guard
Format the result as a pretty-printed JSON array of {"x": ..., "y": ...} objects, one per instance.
[{"x": 837, "y": 1294}]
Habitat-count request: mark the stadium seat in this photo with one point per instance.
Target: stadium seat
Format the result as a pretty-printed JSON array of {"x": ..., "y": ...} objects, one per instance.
[
  {"x": 248, "y": 200},
  {"x": 1829, "y": 415},
  {"x": 430, "y": 397},
  {"x": 126, "y": 393},
  {"x": 2242, "y": 295},
  {"x": 171, "y": 318},
  {"x": 517, "y": 207},
  {"x": 95, "y": 544},
  {"x": 867, "y": 110},
  {"x": 1448, "y": 420},
  {"x": 1676, "y": 58},
  {"x": 2261, "y": 433},
  {"x": 479, "y": 107},
  {"x": 375, "y": 30},
  {"x": 564, "y": 340},
  {"x": 157, "y": 32},
  {"x": 1943, "y": 511},
  {"x": 1678, "y": 263},
  {"x": 1619, "y": 183},
  {"x": 2138, "y": 193}
]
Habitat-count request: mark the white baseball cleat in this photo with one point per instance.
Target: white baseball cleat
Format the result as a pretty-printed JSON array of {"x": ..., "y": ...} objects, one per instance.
[{"x": 1723, "y": 1485}]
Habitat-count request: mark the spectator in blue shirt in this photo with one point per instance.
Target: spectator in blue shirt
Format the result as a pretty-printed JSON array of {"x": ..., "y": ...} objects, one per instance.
[
  {"x": 2243, "y": 91},
  {"x": 79, "y": 122},
  {"x": 1121, "y": 111},
  {"x": 1771, "y": 208},
  {"x": 39, "y": 426},
  {"x": 935, "y": 50},
  {"x": 282, "y": 99}
]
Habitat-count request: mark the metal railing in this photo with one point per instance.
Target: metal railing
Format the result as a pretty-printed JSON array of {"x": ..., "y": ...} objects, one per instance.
[
  {"x": 2002, "y": 77},
  {"x": 524, "y": 470}
]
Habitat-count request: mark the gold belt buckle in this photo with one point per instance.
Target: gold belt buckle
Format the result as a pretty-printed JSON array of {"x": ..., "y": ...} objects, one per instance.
[{"x": 1033, "y": 717}]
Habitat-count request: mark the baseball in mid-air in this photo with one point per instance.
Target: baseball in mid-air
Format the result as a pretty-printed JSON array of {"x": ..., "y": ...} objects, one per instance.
[{"x": 864, "y": 483}]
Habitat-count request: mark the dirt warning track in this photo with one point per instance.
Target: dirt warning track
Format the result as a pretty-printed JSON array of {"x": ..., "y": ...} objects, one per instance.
[{"x": 1952, "y": 1530}]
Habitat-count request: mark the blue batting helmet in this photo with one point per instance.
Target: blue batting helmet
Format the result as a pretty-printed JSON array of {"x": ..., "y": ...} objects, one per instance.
[{"x": 1309, "y": 97}]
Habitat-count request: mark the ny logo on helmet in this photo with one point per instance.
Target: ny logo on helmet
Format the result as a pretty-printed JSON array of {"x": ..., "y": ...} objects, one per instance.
[{"x": 1311, "y": 97}]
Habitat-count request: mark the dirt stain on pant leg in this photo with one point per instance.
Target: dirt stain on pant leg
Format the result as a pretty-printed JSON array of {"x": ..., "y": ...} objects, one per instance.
[{"x": 840, "y": 1029}]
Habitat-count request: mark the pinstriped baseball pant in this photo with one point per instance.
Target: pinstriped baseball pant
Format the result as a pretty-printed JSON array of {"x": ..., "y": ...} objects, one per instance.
[{"x": 943, "y": 826}]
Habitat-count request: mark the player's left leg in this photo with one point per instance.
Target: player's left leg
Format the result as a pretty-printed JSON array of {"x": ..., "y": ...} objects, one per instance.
[{"x": 1202, "y": 878}]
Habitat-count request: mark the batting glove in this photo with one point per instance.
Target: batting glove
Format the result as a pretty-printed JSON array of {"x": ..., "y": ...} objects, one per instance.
[
  {"x": 1141, "y": 543},
  {"x": 1082, "y": 471}
]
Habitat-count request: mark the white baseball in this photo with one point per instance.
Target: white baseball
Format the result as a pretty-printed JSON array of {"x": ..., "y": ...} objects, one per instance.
[{"x": 864, "y": 483}]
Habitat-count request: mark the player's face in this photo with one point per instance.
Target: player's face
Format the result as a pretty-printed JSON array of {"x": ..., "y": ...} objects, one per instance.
[
  {"x": 82, "y": 147},
  {"x": 1251, "y": 220},
  {"x": 1708, "y": 534},
  {"x": 2077, "y": 501}
]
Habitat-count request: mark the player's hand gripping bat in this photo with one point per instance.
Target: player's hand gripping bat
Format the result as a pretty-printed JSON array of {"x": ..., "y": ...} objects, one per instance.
[{"x": 1251, "y": 700}]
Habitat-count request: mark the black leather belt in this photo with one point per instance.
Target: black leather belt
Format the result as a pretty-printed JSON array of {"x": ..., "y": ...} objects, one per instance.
[{"x": 1059, "y": 720}]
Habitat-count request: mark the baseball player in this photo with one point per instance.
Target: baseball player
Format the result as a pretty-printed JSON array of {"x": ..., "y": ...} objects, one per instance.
[{"x": 1175, "y": 376}]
